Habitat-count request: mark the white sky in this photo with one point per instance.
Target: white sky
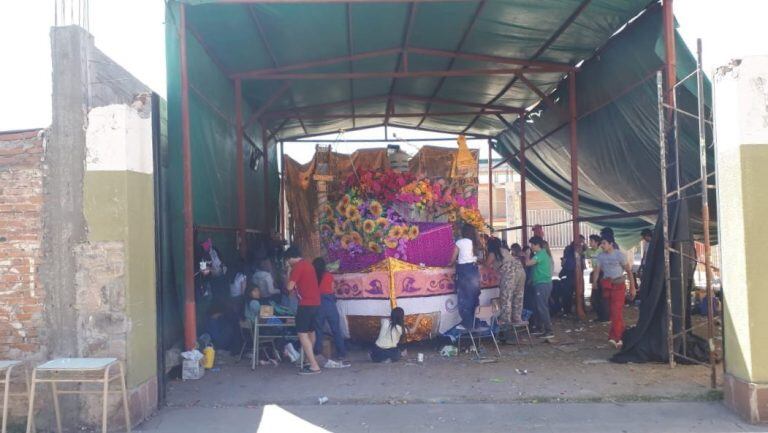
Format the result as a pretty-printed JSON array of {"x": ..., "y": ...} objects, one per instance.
[{"x": 132, "y": 33}]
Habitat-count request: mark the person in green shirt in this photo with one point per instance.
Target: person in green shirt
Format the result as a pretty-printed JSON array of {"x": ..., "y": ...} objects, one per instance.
[{"x": 541, "y": 278}]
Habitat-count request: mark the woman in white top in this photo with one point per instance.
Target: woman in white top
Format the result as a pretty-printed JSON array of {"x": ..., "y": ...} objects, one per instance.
[
  {"x": 388, "y": 346},
  {"x": 467, "y": 276}
]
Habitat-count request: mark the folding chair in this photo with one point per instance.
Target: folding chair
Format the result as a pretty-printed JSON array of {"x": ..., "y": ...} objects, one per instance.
[
  {"x": 488, "y": 314},
  {"x": 496, "y": 302}
]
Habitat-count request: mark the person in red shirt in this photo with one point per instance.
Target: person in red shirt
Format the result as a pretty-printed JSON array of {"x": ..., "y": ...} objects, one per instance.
[
  {"x": 330, "y": 314},
  {"x": 303, "y": 280}
]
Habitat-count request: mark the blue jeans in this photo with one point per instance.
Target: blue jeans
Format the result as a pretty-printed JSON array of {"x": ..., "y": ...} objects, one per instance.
[
  {"x": 467, "y": 292},
  {"x": 380, "y": 355},
  {"x": 542, "y": 291},
  {"x": 329, "y": 313}
]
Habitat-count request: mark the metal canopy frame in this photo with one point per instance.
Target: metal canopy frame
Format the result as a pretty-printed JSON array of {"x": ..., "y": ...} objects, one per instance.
[{"x": 518, "y": 69}]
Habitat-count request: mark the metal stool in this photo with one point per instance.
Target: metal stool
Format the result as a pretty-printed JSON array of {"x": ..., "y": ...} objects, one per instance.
[
  {"x": 79, "y": 370},
  {"x": 5, "y": 379}
]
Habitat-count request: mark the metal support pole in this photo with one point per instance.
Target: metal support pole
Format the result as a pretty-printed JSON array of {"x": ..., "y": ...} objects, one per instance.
[
  {"x": 240, "y": 169},
  {"x": 705, "y": 215},
  {"x": 575, "y": 194},
  {"x": 523, "y": 197},
  {"x": 282, "y": 191},
  {"x": 665, "y": 216},
  {"x": 190, "y": 316},
  {"x": 490, "y": 184},
  {"x": 267, "y": 209},
  {"x": 670, "y": 59}
]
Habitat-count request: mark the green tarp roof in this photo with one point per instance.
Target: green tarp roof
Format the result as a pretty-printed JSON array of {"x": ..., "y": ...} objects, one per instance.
[{"x": 254, "y": 36}]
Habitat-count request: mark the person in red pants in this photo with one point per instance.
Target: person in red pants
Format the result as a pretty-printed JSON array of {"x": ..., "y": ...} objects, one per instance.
[{"x": 613, "y": 263}]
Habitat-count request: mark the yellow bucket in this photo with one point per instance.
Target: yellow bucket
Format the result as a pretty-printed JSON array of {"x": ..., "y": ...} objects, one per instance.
[{"x": 209, "y": 356}]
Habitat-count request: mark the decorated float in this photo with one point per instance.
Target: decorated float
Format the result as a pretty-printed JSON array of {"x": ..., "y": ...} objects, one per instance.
[{"x": 387, "y": 231}]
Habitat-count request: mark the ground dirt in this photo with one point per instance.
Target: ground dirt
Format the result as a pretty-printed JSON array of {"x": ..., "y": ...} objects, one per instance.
[{"x": 572, "y": 369}]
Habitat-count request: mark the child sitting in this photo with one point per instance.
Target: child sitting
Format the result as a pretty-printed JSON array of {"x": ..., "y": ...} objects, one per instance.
[
  {"x": 253, "y": 304},
  {"x": 389, "y": 346},
  {"x": 252, "y": 311}
]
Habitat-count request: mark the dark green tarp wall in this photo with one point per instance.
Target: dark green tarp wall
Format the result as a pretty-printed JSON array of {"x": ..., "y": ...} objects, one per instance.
[
  {"x": 213, "y": 145},
  {"x": 618, "y": 143}
]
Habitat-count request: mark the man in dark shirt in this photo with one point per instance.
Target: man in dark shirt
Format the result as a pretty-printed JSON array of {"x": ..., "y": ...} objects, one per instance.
[
  {"x": 569, "y": 272},
  {"x": 304, "y": 280}
]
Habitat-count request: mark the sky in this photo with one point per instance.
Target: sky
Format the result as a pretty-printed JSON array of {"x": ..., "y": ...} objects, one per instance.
[{"x": 132, "y": 33}]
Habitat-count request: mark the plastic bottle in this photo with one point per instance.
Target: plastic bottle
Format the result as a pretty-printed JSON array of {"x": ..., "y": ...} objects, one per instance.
[{"x": 209, "y": 357}]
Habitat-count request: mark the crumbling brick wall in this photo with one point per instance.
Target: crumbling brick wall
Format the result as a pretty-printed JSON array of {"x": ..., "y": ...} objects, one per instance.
[{"x": 21, "y": 199}]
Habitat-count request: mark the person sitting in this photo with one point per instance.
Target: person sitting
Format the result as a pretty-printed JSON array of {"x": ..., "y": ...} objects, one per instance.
[
  {"x": 262, "y": 278},
  {"x": 252, "y": 312},
  {"x": 389, "y": 346}
]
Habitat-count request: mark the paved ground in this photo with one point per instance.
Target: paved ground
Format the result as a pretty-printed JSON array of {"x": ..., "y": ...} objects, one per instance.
[
  {"x": 573, "y": 369},
  {"x": 566, "y": 386},
  {"x": 700, "y": 417}
]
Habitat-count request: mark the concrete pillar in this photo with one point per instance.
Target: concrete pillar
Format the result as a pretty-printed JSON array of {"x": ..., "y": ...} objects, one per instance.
[{"x": 741, "y": 104}]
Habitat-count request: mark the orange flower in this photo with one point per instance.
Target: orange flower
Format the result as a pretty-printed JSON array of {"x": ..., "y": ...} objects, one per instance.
[
  {"x": 395, "y": 232},
  {"x": 376, "y": 208},
  {"x": 338, "y": 230},
  {"x": 346, "y": 240},
  {"x": 353, "y": 214},
  {"x": 346, "y": 199},
  {"x": 369, "y": 226},
  {"x": 373, "y": 246},
  {"x": 382, "y": 222},
  {"x": 357, "y": 238},
  {"x": 413, "y": 232},
  {"x": 390, "y": 243}
]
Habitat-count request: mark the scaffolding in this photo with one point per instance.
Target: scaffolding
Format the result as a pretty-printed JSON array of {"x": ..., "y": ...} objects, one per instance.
[{"x": 672, "y": 191}]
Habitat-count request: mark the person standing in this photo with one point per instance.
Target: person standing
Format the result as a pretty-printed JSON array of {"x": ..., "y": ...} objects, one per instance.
[
  {"x": 541, "y": 278},
  {"x": 511, "y": 283},
  {"x": 328, "y": 313},
  {"x": 467, "y": 276},
  {"x": 569, "y": 271},
  {"x": 598, "y": 303},
  {"x": 303, "y": 280},
  {"x": 613, "y": 263}
]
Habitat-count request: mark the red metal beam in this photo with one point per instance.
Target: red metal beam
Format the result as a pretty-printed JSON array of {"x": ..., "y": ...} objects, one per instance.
[
  {"x": 535, "y": 89},
  {"x": 536, "y": 65},
  {"x": 460, "y": 45},
  {"x": 393, "y": 115},
  {"x": 240, "y": 168},
  {"x": 390, "y": 74},
  {"x": 190, "y": 317},
  {"x": 341, "y": 1},
  {"x": 571, "y": 18},
  {"x": 490, "y": 183},
  {"x": 265, "y": 170},
  {"x": 272, "y": 99},
  {"x": 448, "y": 101},
  {"x": 574, "y": 151},
  {"x": 210, "y": 105},
  {"x": 523, "y": 177},
  {"x": 207, "y": 49},
  {"x": 402, "y": 58}
]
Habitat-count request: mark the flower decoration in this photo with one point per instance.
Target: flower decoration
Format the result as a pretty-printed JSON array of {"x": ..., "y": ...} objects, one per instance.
[
  {"x": 356, "y": 238},
  {"x": 369, "y": 226},
  {"x": 374, "y": 247},
  {"x": 375, "y": 208},
  {"x": 395, "y": 232},
  {"x": 391, "y": 243},
  {"x": 383, "y": 222},
  {"x": 346, "y": 241},
  {"x": 413, "y": 232},
  {"x": 353, "y": 214}
]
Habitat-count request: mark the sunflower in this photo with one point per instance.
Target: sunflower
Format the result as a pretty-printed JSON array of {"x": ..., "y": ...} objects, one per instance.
[
  {"x": 326, "y": 211},
  {"x": 338, "y": 230},
  {"x": 346, "y": 240},
  {"x": 413, "y": 232},
  {"x": 373, "y": 246},
  {"x": 395, "y": 232},
  {"x": 382, "y": 222},
  {"x": 369, "y": 226},
  {"x": 353, "y": 214},
  {"x": 341, "y": 208},
  {"x": 376, "y": 208},
  {"x": 390, "y": 243},
  {"x": 356, "y": 237}
]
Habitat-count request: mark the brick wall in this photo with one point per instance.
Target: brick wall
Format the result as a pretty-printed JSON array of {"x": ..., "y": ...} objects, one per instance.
[{"x": 21, "y": 200}]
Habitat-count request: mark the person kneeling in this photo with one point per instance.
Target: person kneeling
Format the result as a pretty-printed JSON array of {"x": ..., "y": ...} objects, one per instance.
[{"x": 390, "y": 345}]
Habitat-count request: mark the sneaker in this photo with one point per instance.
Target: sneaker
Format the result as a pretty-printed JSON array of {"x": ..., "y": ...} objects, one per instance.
[
  {"x": 613, "y": 343},
  {"x": 619, "y": 344},
  {"x": 548, "y": 335},
  {"x": 306, "y": 371},
  {"x": 461, "y": 327},
  {"x": 336, "y": 364}
]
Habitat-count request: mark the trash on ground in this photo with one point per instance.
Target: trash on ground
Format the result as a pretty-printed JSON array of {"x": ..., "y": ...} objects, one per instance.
[
  {"x": 521, "y": 372},
  {"x": 449, "y": 350},
  {"x": 192, "y": 366},
  {"x": 322, "y": 400},
  {"x": 497, "y": 380}
]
